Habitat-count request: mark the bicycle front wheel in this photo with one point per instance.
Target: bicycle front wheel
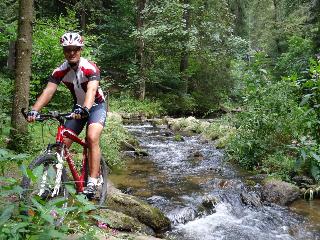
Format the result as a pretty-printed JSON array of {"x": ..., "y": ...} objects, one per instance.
[
  {"x": 44, "y": 182},
  {"x": 102, "y": 188},
  {"x": 101, "y": 194}
]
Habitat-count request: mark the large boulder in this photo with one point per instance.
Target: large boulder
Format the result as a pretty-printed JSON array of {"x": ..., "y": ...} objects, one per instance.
[
  {"x": 279, "y": 192},
  {"x": 136, "y": 208},
  {"x": 123, "y": 222}
]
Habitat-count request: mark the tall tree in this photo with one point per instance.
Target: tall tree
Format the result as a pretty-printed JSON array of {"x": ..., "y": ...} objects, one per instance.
[
  {"x": 23, "y": 69},
  {"x": 184, "y": 62},
  {"x": 141, "y": 50}
]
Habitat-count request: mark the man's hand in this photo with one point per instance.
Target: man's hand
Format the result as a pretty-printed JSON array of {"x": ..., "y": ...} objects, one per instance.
[
  {"x": 32, "y": 115},
  {"x": 80, "y": 112}
]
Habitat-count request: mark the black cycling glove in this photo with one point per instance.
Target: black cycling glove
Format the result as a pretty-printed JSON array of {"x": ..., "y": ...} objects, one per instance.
[
  {"x": 82, "y": 111},
  {"x": 33, "y": 113}
]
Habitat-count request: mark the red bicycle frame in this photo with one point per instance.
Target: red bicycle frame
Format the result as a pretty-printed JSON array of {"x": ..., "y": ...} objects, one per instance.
[{"x": 79, "y": 179}]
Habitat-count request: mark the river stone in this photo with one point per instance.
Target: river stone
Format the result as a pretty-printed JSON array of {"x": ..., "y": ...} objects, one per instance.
[
  {"x": 251, "y": 199},
  {"x": 303, "y": 181},
  {"x": 279, "y": 192},
  {"x": 120, "y": 221},
  {"x": 140, "y": 210}
]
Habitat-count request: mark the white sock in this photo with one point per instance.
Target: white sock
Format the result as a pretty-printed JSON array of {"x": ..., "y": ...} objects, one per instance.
[{"x": 93, "y": 180}]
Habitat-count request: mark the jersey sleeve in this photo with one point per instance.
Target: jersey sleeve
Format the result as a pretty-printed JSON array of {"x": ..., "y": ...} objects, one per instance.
[
  {"x": 92, "y": 72},
  {"x": 58, "y": 74},
  {"x": 52, "y": 79}
]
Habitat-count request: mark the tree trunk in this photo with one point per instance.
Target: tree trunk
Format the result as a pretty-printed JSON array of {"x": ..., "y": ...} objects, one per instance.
[
  {"x": 141, "y": 51},
  {"x": 184, "y": 62},
  {"x": 238, "y": 9},
  {"x": 23, "y": 70},
  {"x": 83, "y": 20},
  {"x": 276, "y": 26}
]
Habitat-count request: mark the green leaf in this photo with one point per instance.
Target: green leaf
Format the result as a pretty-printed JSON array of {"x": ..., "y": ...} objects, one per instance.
[
  {"x": 6, "y": 214},
  {"x": 305, "y": 99},
  {"x": 56, "y": 234},
  {"x": 38, "y": 171},
  {"x": 315, "y": 172},
  {"x": 37, "y": 205},
  {"x": 315, "y": 156},
  {"x": 47, "y": 217},
  {"x": 303, "y": 154},
  {"x": 70, "y": 188},
  {"x": 101, "y": 219}
]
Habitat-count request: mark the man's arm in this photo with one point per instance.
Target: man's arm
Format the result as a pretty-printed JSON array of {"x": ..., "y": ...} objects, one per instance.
[
  {"x": 92, "y": 88},
  {"x": 45, "y": 96}
]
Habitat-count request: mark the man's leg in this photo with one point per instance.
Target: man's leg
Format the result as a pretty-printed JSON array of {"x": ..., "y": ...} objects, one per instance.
[{"x": 93, "y": 137}]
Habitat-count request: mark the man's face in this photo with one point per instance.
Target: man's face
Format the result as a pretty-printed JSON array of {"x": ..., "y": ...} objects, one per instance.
[{"x": 72, "y": 53}]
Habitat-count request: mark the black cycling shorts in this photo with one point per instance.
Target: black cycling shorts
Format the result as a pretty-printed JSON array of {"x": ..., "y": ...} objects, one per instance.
[{"x": 98, "y": 114}]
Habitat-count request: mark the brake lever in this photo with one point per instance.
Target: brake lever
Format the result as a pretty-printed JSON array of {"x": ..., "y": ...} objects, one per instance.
[{"x": 68, "y": 117}]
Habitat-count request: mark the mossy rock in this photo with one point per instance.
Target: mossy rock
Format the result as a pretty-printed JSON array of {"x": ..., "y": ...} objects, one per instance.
[
  {"x": 279, "y": 192},
  {"x": 123, "y": 222},
  {"x": 140, "y": 210}
]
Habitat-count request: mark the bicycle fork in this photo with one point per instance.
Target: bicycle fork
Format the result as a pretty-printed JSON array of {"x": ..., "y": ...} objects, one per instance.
[{"x": 58, "y": 177}]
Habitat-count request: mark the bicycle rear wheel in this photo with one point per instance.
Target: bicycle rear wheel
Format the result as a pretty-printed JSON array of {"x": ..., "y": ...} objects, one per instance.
[{"x": 44, "y": 185}]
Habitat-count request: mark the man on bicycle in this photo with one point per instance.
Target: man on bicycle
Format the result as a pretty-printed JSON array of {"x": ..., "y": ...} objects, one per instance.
[{"x": 82, "y": 78}]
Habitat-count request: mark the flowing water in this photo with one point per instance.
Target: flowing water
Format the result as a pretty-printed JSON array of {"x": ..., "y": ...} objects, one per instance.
[{"x": 203, "y": 196}]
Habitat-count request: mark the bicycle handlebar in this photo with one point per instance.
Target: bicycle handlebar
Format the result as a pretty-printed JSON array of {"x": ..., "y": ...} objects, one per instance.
[{"x": 52, "y": 115}]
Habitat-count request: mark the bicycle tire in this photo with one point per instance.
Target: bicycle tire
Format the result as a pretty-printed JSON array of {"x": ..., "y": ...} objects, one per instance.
[
  {"x": 30, "y": 188},
  {"x": 104, "y": 175}
]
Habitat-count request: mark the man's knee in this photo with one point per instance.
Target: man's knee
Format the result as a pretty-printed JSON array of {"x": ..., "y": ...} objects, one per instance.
[
  {"x": 94, "y": 133},
  {"x": 93, "y": 139}
]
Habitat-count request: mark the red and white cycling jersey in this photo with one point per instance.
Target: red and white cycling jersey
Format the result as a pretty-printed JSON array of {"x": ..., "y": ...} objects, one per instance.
[{"x": 77, "y": 80}]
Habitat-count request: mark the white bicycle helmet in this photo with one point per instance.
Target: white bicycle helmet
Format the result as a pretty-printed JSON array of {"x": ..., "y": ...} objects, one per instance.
[{"x": 71, "y": 39}]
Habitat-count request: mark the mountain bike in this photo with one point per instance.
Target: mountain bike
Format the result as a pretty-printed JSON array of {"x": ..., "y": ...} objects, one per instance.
[{"x": 52, "y": 172}]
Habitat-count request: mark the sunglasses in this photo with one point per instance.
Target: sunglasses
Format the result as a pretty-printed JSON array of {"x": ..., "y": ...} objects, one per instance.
[{"x": 71, "y": 49}]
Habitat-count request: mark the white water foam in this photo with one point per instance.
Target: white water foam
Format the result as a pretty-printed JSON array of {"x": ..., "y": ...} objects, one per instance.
[{"x": 224, "y": 225}]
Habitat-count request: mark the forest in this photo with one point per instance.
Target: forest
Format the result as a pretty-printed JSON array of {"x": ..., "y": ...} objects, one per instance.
[{"x": 253, "y": 65}]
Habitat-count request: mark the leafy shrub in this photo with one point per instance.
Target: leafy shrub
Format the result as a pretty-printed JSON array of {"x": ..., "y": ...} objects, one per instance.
[
  {"x": 113, "y": 135},
  {"x": 279, "y": 165},
  {"x": 176, "y": 104},
  {"x": 127, "y": 104},
  {"x": 272, "y": 119},
  {"x": 308, "y": 90},
  {"x": 35, "y": 219},
  {"x": 296, "y": 58},
  {"x": 6, "y": 93},
  {"x": 221, "y": 131}
]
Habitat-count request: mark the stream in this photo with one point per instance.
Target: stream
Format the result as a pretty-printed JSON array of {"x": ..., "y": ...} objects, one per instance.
[{"x": 204, "y": 196}]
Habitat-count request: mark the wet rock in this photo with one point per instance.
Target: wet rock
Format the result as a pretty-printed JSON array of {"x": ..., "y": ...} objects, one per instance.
[
  {"x": 167, "y": 134},
  {"x": 208, "y": 205},
  {"x": 158, "y": 201},
  {"x": 196, "y": 156},
  {"x": 140, "y": 210},
  {"x": 158, "y": 122},
  {"x": 258, "y": 177},
  {"x": 120, "y": 221},
  {"x": 279, "y": 192},
  {"x": 228, "y": 184},
  {"x": 126, "y": 146},
  {"x": 182, "y": 215},
  {"x": 251, "y": 199},
  {"x": 128, "y": 154},
  {"x": 132, "y": 117},
  {"x": 302, "y": 181}
]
